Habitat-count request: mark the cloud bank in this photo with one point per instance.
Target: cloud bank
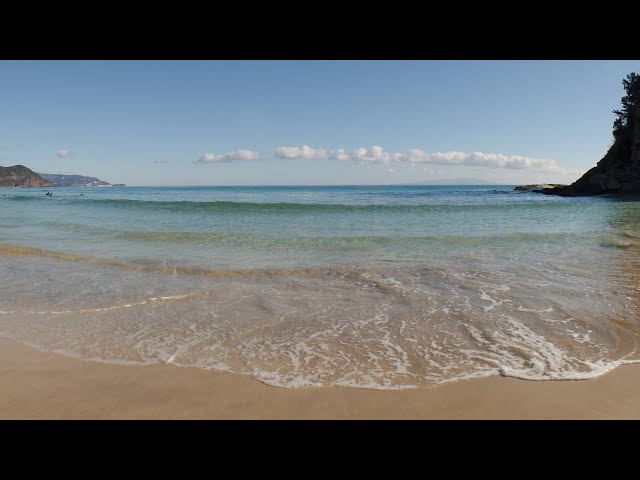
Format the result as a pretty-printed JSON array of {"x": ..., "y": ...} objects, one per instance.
[
  {"x": 303, "y": 152},
  {"x": 415, "y": 157},
  {"x": 491, "y": 160},
  {"x": 228, "y": 157}
]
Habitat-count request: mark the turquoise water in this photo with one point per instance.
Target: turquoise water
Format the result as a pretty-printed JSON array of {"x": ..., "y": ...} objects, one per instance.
[
  {"x": 364, "y": 286},
  {"x": 227, "y": 227}
]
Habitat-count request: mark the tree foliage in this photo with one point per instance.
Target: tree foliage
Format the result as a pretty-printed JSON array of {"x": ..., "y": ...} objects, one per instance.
[{"x": 630, "y": 103}]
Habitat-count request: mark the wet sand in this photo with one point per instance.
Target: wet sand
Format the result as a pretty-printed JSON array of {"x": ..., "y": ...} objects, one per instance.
[{"x": 41, "y": 385}]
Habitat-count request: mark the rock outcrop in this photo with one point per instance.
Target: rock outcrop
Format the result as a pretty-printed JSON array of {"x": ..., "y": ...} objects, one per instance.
[
  {"x": 618, "y": 172},
  {"x": 537, "y": 187},
  {"x": 21, "y": 176}
]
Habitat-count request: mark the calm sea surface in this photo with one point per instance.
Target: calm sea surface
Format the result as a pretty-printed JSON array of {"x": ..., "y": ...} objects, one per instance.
[{"x": 376, "y": 287}]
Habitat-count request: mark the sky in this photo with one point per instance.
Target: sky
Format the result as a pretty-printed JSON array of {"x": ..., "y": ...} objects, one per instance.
[{"x": 309, "y": 122}]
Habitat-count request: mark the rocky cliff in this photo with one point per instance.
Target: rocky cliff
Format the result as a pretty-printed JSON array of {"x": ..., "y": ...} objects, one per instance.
[
  {"x": 21, "y": 176},
  {"x": 619, "y": 170}
]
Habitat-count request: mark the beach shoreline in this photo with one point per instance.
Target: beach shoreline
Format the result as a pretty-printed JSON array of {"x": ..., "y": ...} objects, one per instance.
[{"x": 43, "y": 385}]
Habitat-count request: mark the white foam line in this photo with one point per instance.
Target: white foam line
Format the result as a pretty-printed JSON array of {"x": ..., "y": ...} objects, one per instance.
[
  {"x": 598, "y": 368},
  {"x": 116, "y": 307},
  {"x": 522, "y": 309},
  {"x": 494, "y": 303}
]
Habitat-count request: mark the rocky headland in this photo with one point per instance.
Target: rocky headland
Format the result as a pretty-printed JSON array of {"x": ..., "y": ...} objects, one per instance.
[
  {"x": 618, "y": 172},
  {"x": 21, "y": 176}
]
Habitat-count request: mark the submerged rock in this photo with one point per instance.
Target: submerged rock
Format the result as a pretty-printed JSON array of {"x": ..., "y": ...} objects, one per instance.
[{"x": 537, "y": 187}]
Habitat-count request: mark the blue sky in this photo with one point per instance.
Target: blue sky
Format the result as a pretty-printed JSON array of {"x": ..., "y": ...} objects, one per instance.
[{"x": 309, "y": 122}]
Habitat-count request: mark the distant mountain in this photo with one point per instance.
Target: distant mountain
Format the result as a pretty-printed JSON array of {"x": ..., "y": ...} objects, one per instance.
[
  {"x": 21, "y": 176},
  {"x": 59, "y": 180}
]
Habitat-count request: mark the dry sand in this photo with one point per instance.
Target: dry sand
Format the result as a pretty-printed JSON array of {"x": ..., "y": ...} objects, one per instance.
[{"x": 40, "y": 385}]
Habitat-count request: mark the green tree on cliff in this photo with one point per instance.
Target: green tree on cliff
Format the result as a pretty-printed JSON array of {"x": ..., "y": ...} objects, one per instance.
[{"x": 630, "y": 102}]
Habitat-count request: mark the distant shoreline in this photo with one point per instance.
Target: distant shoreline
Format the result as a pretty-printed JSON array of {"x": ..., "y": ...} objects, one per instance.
[{"x": 305, "y": 186}]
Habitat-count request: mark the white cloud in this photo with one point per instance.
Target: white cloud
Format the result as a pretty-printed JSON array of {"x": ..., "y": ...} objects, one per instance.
[
  {"x": 305, "y": 152},
  {"x": 63, "y": 152},
  {"x": 370, "y": 155},
  {"x": 340, "y": 154},
  {"x": 491, "y": 160},
  {"x": 228, "y": 157},
  {"x": 376, "y": 155}
]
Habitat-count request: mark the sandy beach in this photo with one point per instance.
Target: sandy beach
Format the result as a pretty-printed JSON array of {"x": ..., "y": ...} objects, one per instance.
[
  {"x": 41, "y": 385},
  {"x": 321, "y": 240}
]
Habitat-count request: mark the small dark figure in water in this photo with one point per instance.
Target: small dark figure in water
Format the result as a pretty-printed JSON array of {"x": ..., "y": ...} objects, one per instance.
[{"x": 81, "y": 194}]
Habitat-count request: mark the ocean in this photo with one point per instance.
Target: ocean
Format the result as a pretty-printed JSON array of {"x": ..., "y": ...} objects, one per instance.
[{"x": 383, "y": 287}]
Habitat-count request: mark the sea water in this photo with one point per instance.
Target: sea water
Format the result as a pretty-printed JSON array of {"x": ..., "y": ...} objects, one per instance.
[{"x": 362, "y": 286}]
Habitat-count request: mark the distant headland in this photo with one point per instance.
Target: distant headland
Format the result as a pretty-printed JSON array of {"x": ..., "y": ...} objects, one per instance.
[
  {"x": 618, "y": 172},
  {"x": 60, "y": 180},
  {"x": 19, "y": 176}
]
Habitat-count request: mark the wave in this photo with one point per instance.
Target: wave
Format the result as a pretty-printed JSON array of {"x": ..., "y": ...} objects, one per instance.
[
  {"x": 290, "y": 207},
  {"x": 316, "y": 242},
  {"x": 21, "y": 198},
  {"x": 336, "y": 331},
  {"x": 156, "y": 266},
  {"x": 238, "y": 238},
  {"x": 147, "y": 301},
  {"x": 365, "y": 327}
]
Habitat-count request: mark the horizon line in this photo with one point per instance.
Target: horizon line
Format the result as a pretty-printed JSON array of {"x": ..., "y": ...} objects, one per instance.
[{"x": 337, "y": 185}]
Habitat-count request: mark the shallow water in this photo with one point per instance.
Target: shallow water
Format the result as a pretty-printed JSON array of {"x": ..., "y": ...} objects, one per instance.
[{"x": 376, "y": 287}]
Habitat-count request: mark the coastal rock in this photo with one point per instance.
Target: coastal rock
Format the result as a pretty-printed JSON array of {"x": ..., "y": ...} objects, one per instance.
[
  {"x": 537, "y": 187},
  {"x": 619, "y": 170},
  {"x": 612, "y": 184},
  {"x": 621, "y": 174}
]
